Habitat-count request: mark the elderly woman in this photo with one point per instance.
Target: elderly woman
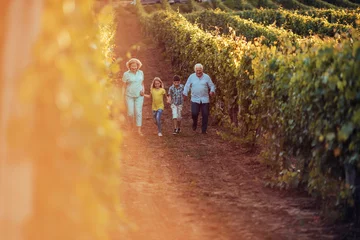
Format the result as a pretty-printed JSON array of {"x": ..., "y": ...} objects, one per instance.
[{"x": 134, "y": 91}]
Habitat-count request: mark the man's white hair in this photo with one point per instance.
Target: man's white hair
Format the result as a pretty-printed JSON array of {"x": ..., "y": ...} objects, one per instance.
[{"x": 198, "y": 65}]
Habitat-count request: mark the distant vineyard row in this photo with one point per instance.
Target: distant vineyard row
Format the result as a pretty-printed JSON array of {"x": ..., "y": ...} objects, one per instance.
[{"x": 301, "y": 99}]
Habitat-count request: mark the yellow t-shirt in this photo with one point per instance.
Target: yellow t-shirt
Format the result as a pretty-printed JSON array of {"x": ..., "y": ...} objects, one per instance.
[{"x": 158, "y": 98}]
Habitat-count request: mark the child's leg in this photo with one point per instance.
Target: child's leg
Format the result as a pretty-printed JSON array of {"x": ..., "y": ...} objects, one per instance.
[
  {"x": 174, "y": 115},
  {"x": 154, "y": 116},
  {"x": 158, "y": 119}
]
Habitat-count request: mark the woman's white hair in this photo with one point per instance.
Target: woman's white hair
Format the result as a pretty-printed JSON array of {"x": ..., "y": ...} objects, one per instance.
[
  {"x": 198, "y": 65},
  {"x": 133, "y": 60}
]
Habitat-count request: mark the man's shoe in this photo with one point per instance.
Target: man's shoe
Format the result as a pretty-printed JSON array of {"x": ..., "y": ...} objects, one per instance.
[
  {"x": 178, "y": 130},
  {"x": 204, "y": 132}
]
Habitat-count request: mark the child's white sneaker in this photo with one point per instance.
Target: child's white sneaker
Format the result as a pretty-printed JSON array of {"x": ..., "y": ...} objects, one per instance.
[{"x": 159, "y": 134}]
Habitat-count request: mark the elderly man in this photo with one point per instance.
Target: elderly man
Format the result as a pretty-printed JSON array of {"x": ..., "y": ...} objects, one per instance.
[{"x": 201, "y": 87}]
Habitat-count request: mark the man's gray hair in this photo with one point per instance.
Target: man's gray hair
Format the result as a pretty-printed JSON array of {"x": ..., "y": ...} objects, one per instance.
[{"x": 198, "y": 65}]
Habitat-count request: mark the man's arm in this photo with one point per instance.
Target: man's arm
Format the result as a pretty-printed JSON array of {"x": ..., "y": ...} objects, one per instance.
[
  {"x": 212, "y": 87},
  {"x": 187, "y": 87}
]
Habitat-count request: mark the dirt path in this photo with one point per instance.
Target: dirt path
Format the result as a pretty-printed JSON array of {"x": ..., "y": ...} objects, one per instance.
[{"x": 194, "y": 186}]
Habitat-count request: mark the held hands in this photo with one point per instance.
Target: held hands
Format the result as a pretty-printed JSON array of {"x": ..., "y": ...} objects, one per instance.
[
  {"x": 142, "y": 93},
  {"x": 185, "y": 97},
  {"x": 212, "y": 94}
]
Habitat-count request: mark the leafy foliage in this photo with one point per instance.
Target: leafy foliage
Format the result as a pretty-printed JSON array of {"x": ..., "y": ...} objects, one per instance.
[
  {"x": 217, "y": 4},
  {"x": 299, "y": 24},
  {"x": 63, "y": 124},
  {"x": 226, "y": 23},
  {"x": 345, "y": 17},
  {"x": 264, "y": 3},
  {"x": 318, "y": 4},
  {"x": 292, "y": 4},
  {"x": 300, "y": 100},
  {"x": 343, "y": 3}
]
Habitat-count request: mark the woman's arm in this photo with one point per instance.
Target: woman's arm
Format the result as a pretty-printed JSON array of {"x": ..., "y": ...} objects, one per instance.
[
  {"x": 125, "y": 78},
  {"x": 123, "y": 84},
  {"x": 142, "y": 91}
]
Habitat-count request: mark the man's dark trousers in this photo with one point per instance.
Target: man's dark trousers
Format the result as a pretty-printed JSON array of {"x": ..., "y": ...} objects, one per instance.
[{"x": 195, "y": 110}]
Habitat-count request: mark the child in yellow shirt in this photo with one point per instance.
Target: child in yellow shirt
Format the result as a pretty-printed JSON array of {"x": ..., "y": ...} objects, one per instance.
[{"x": 157, "y": 92}]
